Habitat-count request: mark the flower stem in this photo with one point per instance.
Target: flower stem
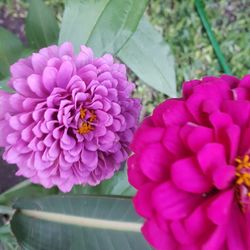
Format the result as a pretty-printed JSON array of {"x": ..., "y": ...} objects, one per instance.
[{"x": 211, "y": 36}]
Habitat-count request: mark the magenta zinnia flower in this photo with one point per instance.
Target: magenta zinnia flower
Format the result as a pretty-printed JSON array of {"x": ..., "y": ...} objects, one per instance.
[
  {"x": 192, "y": 168},
  {"x": 71, "y": 118}
]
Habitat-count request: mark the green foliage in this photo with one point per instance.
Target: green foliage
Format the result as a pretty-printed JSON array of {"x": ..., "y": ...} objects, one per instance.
[
  {"x": 7, "y": 240},
  {"x": 103, "y": 25},
  {"x": 150, "y": 58},
  {"x": 117, "y": 185},
  {"x": 194, "y": 55},
  {"x": 4, "y": 85},
  {"x": 10, "y": 50},
  {"x": 24, "y": 189},
  {"x": 41, "y": 25},
  {"x": 78, "y": 222}
]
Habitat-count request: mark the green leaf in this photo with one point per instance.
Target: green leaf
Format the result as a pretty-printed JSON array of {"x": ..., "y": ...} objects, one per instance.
[
  {"x": 10, "y": 49},
  {"x": 150, "y": 58},
  {"x": 6, "y": 210},
  {"x": 78, "y": 222},
  {"x": 25, "y": 189},
  {"x": 4, "y": 86},
  {"x": 104, "y": 25},
  {"x": 5, "y": 229},
  {"x": 117, "y": 185},
  {"x": 41, "y": 25},
  {"x": 27, "y": 52},
  {"x": 7, "y": 239}
]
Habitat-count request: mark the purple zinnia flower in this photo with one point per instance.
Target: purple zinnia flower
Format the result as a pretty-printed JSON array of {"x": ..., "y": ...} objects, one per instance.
[{"x": 71, "y": 118}]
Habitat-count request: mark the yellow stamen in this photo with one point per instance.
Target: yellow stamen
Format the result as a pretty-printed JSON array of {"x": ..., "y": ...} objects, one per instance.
[
  {"x": 243, "y": 162},
  {"x": 243, "y": 172},
  {"x": 243, "y": 178},
  {"x": 85, "y": 128},
  {"x": 92, "y": 116},
  {"x": 243, "y": 182},
  {"x": 83, "y": 113},
  {"x": 87, "y": 117}
]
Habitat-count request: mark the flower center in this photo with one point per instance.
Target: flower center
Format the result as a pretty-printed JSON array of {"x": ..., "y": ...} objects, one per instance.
[
  {"x": 243, "y": 171},
  {"x": 87, "y": 119},
  {"x": 243, "y": 181}
]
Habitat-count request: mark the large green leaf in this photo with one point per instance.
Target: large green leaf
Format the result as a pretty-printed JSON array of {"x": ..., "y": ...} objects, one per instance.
[
  {"x": 78, "y": 222},
  {"x": 10, "y": 49},
  {"x": 117, "y": 185},
  {"x": 104, "y": 25},
  {"x": 7, "y": 239},
  {"x": 41, "y": 25},
  {"x": 25, "y": 189},
  {"x": 150, "y": 58}
]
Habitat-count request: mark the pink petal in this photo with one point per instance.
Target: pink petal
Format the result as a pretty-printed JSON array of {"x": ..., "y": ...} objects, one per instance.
[
  {"x": 245, "y": 82},
  {"x": 238, "y": 110},
  {"x": 181, "y": 234},
  {"x": 35, "y": 84},
  {"x": 231, "y": 80},
  {"x": 237, "y": 237},
  {"x": 211, "y": 156},
  {"x": 224, "y": 176},
  {"x": 189, "y": 86},
  {"x": 220, "y": 207},
  {"x": 172, "y": 203},
  {"x": 54, "y": 150},
  {"x": 89, "y": 157},
  {"x": 173, "y": 107},
  {"x": 154, "y": 162},
  {"x": 135, "y": 175},
  {"x": 240, "y": 94},
  {"x": 233, "y": 134},
  {"x": 158, "y": 238},
  {"x": 21, "y": 86},
  {"x": 38, "y": 62},
  {"x": 49, "y": 78},
  {"x": 66, "y": 49},
  {"x": 5, "y": 130},
  {"x": 216, "y": 239},
  {"x": 244, "y": 144},
  {"x": 145, "y": 135},
  {"x": 196, "y": 136},
  {"x": 20, "y": 70},
  {"x": 27, "y": 134},
  {"x": 67, "y": 142},
  {"x": 173, "y": 142},
  {"x": 64, "y": 74},
  {"x": 187, "y": 176},
  {"x": 142, "y": 200},
  {"x": 5, "y": 103},
  {"x": 198, "y": 223}
]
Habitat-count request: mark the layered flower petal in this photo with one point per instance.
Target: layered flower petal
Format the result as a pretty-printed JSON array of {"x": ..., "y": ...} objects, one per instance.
[
  {"x": 201, "y": 179},
  {"x": 65, "y": 125}
]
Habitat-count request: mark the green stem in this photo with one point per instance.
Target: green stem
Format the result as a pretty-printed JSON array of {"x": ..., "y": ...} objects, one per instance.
[{"x": 211, "y": 36}]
